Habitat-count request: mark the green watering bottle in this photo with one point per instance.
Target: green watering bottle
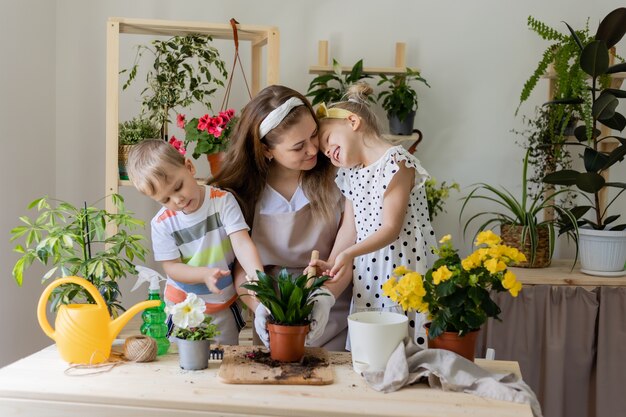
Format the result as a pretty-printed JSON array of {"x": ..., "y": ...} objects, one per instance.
[{"x": 153, "y": 318}]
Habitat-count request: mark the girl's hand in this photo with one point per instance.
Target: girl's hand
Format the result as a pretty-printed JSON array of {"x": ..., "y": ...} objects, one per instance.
[
  {"x": 320, "y": 266},
  {"x": 343, "y": 263},
  {"x": 213, "y": 275}
]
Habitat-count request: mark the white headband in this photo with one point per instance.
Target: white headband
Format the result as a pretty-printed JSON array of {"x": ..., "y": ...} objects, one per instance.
[{"x": 277, "y": 115}]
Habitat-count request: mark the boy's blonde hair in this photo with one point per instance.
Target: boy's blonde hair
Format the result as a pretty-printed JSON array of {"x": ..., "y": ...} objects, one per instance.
[{"x": 150, "y": 162}]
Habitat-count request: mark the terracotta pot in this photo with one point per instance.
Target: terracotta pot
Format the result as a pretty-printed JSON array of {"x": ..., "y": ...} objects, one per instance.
[
  {"x": 512, "y": 236},
  {"x": 461, "y": 345},
  {"x": 287, "y": 342},
  {"x": 215, "y": 162}
]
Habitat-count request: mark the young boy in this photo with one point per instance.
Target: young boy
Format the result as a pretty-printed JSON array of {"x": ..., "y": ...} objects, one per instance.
[{"x": 196, "y": 235}]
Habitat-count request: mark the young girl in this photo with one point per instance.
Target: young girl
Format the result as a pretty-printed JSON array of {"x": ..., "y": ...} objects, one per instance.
[
  {"x": 288, "y": 196},
  {"x": 384, "y": 190}
]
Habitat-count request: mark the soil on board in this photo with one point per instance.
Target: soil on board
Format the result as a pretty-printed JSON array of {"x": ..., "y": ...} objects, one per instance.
[{"x": 304, "y": 368}]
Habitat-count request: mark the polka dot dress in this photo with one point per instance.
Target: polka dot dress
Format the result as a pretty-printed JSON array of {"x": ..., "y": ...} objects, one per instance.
[{"x": 365, "y": 187}]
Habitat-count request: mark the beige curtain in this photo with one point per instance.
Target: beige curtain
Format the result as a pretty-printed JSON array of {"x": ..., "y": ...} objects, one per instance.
[{"x": 570, "y": 343}]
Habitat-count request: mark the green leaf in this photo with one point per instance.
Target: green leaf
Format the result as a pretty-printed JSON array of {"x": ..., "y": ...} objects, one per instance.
[
  {"x": 617, "y": 121},
  {"x": 594, "y": 58},
  {"x": 590, "y": 182},
  {"x": 562, "y": 177},
  {"x": 604, "y": 107},
  {"x": 614, "y": 69},
  {"x": 613, "y": 27},
  {"x": 594, "y": 160}
]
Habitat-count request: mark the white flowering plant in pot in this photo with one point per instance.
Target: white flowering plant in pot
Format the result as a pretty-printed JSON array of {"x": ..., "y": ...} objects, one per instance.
[{"x": 190, "y": 321}]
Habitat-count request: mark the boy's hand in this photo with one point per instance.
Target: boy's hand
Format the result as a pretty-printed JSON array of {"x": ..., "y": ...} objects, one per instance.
[{"x": 213, "y": 276}]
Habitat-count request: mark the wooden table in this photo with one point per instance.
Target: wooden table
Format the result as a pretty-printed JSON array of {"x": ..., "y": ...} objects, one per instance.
[{"x": 38, "y": 386}]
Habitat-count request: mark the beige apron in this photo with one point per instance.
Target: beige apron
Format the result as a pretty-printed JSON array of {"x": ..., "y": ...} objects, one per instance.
[{"x": 286, "y": 240}]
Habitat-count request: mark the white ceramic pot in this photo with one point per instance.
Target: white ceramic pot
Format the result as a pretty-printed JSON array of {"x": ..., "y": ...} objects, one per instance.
[
  {"x": 374, "y": 336},
  {"x": 602, "y": 252}
]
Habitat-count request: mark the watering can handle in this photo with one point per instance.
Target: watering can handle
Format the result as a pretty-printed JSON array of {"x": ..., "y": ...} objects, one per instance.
[{"x": 43, "y": 300}]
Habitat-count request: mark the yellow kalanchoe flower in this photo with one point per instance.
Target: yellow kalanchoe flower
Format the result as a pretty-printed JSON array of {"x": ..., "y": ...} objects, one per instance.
[
  {"x": 401, "y": 270},
  {"x": 487, "y": 237},
  {"x": 509, "y": 280},
  {"x": 516, "y": 289},
  {"x": 445, "y": 239},
  {"x": 494, "y": 265}
]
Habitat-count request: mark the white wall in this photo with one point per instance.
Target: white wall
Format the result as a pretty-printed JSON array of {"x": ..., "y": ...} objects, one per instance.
[{"x": 475, "y": 55}]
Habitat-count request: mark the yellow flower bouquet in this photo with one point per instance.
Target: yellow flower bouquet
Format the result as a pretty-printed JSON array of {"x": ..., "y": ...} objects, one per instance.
[{"x": 455, "y": 292}]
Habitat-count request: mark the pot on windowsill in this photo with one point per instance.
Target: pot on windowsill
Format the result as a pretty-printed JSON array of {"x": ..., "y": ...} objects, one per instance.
[{"x": 602, "y": 252}]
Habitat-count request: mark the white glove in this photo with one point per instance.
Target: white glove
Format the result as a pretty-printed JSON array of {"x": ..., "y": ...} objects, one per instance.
[
  {"x": 320, "y": 314},
  {"x": 260, "y": 324}
]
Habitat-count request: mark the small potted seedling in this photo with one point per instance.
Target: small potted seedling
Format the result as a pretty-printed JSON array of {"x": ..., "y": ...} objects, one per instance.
[{"x": 290, "y": 301}]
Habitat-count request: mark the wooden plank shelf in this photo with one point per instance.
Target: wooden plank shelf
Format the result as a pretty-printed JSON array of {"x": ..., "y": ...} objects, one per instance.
[{"x": 561, "y": 273}]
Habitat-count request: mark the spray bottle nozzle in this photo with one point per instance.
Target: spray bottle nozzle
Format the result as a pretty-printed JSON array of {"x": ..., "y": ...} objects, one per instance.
[{"x": 147, "y": 275}]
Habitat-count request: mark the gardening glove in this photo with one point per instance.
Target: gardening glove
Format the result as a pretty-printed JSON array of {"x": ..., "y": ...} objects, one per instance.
[
  {"x": 261, "y": 315},
  {"x": 324, "y": 301}
]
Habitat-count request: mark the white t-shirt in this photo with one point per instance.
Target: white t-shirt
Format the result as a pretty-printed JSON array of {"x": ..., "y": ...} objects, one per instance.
[
  {"x": 200, "y": 239},
  {"x": 273, "y": 202}
]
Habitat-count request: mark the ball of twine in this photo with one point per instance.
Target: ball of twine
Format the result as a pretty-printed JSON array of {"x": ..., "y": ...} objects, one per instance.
[{"x": 140, "y": 349}]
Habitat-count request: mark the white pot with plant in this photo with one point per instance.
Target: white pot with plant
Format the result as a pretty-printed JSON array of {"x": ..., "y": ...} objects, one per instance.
[
  {"x": 194, "y": 332},
  {"x": 602, "y": 242}
]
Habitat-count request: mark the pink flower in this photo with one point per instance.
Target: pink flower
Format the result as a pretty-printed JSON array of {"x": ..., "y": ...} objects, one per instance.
[
  {"x": 204, "y": 122},
  {"x": 230, "y": 113},
  {"x": 178, "y": 145},
  {"x": 219, "y": 121},
  {"x": 180, "y": 121}
]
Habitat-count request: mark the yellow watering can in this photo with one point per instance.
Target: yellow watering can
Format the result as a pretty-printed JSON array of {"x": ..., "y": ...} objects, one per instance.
[{"x": 85, "y": 332}]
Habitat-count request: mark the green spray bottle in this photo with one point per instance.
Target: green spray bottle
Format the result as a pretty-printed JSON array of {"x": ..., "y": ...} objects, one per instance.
[{"x": 153, "y": 318}]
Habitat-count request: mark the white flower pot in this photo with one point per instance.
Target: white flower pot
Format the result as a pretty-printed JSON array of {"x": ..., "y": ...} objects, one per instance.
[{"x": 602, "y": 252}]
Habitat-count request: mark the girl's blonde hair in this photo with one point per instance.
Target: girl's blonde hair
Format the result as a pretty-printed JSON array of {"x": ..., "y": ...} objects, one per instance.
[
  {"x": 357, "y": 102},
  {"x": 245, "y": 169},
  {"x": 149, "y": 163}
]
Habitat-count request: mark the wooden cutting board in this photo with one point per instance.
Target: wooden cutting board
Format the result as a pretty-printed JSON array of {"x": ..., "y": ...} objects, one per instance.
[{"x": 239, "y": 367}]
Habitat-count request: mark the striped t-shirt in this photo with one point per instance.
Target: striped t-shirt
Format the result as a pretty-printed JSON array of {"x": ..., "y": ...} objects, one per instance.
[{"x": 200, "y": 239}]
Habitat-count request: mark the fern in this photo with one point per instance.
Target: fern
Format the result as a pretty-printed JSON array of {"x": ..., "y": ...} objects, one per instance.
[
  {"x": 545, "y": 31},
  {"x": 529, "y": 85}
]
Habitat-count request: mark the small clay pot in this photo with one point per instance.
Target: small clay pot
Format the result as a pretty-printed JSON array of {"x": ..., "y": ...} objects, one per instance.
[
  {"x": 461, "y": 345},
  {"x": 287, "y": 342}
]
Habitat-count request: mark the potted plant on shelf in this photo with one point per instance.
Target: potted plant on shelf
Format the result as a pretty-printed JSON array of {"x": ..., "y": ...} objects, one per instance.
[
  {"x": 73, "y": 239},
  {"x": 181, "y": 74},
  {"x": 519, "y": 222},
  {"x": 455, "y": 292},
  {"x": 602, "y": 241},
  {"x": 131, "y": 133},
  {"x": 400, "y": 100},
  {"x": 210, "y": 135},
  {"x": 194, "y": 331},
  {"x": 290, "y": 301},
  {"x": 322, "y": 92}
]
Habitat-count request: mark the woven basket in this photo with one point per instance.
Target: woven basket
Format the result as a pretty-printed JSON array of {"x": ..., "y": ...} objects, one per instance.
[
  {"x": 512, "y": 236},
  {"x": 122, "y": 158}
]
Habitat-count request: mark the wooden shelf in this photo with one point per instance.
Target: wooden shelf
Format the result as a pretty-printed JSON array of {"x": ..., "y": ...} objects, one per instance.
[
  {"x": 260, "y": 37},
  {"x": 323, "y": 66},
  {"x": 561, "y": 273}
]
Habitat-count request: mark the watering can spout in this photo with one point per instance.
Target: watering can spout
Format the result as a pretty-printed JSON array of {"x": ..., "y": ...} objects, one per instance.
[{"x": 116, "y": 326}]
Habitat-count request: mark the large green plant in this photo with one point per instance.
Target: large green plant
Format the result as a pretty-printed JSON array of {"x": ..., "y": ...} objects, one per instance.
[
  {"x": 322, "y": 92},
  {"x": 73, "y": 240},
  {"x": 400, "y": 98},
  {"x": 524, "y": 211},
  {"x": 181, "y": 74},
  {"x": 594, "y": 61},
  {"x": 289, "y": 299}
]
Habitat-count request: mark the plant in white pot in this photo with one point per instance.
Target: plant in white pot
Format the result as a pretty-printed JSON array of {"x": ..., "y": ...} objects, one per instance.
[
  {"x": 400, "y": 100},
  {"x": 194, "y": 331},
  {"x": 602, "y": 241}
]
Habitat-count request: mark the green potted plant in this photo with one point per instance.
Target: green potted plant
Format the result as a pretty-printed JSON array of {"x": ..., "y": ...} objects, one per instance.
[
  {"x": 400, "y": 100},
  {"x": 193, "y": 332},
  {"x": 290, "y": 301},
  {"x": 181, "y": 74},
  {"x": 436, "y": 195},
  {"x": 602, "y": 241},
  {"x": 322, "y": 92},
  {"x": 130, "y": 133},
  {"x": 519, "y": 219},
  {"x": 455, "y": 292},
  {"x": 73, "y": 240}
]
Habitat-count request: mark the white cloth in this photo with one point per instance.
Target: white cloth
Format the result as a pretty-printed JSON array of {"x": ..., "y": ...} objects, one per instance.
[
  {"x": 324, "y": 301},
  {"x": 448, "y": 371},
  {"x": 365, "y": 187},
  {"x": 260, "y": 324},
  {"x": 200, "y": 239},
  {"x": 273, "y": 202}
]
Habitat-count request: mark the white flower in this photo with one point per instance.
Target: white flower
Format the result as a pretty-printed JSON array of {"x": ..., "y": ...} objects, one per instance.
[{"x": 188, "y": 313}]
